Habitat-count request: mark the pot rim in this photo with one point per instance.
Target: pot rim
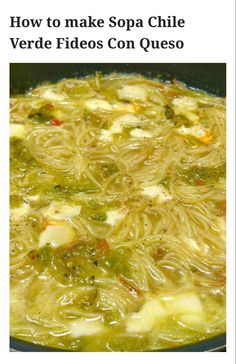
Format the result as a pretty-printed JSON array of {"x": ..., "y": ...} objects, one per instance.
[{"x": 215, "y": 343}]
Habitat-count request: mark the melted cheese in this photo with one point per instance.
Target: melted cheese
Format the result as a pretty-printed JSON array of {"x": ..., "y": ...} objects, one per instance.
[
  {"x": 183, "y": 303},
  {"x": 60, "y": 211},
  {"x": 95, "y": 104},
  {"x": 17, "y": 131},
  {"x": 117, "y": 126},
  {"x": 113, "y": 216},
  {"x": 86, "y": 327},
  {"x": 159, "y": 192},
  {"x": 56, "y": 235},
  {"x": 19, "y": 212},
  {"x": 133, "y": 92},
  {"x": 144, "y": 320},
  {"x": 140, "y": 133},
  {"x": 186, "y": 106},
  {"x": 200, "y": 133},
  {"x": 51, "y": 95},
  {"x": 106, "y": 135},
  {"x": 124, "y": 107}
]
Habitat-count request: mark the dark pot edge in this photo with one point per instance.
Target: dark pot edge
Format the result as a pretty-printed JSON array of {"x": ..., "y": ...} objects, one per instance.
[{"x": 216, "y": 343}]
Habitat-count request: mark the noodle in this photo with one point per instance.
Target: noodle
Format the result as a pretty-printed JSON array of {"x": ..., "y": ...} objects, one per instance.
[{"x": 117, "y": 214}]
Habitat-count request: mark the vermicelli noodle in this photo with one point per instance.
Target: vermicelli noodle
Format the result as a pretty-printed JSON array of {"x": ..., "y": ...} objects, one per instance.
[{"x": 117, "y": 214}]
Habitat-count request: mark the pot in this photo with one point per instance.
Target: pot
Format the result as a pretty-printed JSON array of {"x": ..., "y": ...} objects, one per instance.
[{"x": 210, "y": 77}]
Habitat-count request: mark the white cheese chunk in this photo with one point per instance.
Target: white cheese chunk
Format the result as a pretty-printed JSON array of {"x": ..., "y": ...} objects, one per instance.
[
  {"x": 113, "y": 216},
  {"x": 94, "y": 104},
  {"x": 196, "y": 131},
  {"x": 33, "y": 198},
  {"x": 60, "y": 211},
  {"x": 86, "y": 327},
  {"x": 17, "y": 131},
  {"x": 159, "y": 192},
  {"x": 106, "y": 135},
  {"x": 51, "y": 95},
  {"x": 183, "y": 103},
  {"x": 192, "y": 319},
  {"x": 140, "y": 133},
  {"x": 116, "y": 127},
  {"x": 118, "y": 124},
  {"x": 125, "y": 107},
  {"x": 186, "y": 106},
  {"x": 144, "y": 320},
  {"x": 132, "y": 92},
  {"x": 18, "y": 212},
  {"x": 128, "y": 120},
  {"x": 56, "y": 235},
  {"x": 183, "y": 303}
]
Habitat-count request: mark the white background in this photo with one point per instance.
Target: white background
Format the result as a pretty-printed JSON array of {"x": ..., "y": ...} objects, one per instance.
[{"x": 208, "y": 37}]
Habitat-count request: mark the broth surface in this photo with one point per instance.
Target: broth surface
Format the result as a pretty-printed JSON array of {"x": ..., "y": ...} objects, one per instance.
[{"x": 117, "y": 214}]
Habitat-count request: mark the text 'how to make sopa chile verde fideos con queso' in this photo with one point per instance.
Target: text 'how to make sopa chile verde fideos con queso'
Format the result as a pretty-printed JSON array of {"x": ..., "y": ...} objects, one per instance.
[{"x": 112, "y": 43}]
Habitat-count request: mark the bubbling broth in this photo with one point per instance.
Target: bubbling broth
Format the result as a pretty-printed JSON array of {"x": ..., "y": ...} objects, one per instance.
[{"x": 117, "y": 214}]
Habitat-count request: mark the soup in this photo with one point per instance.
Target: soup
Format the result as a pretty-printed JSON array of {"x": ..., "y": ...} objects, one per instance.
[{"x": 117, "y": 214}]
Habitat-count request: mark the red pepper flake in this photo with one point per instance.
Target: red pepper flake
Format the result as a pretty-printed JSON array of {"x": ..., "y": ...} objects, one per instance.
[
  {"x": 200, "y": 182},
  {"x": 160, "y": 253},
  {"x": 135, "y": 291},
  {"x": 56, "y": 122},
  {"x": 33, "y": 254},
  {"x": 50, "y": 106},
  {"x": 103, "y": 246}
]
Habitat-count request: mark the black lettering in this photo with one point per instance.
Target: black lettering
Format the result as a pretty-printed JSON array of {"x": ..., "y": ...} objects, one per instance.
[
  {"x": 144, "y": 44},
  {"x": 99, "y": 44},
  {"x": 14, "y": 42},
  {"x": 53, "y": 23},
  {"x": 169, "y": 22},
  {"x": 71, "y": 23},
  {"x": 112, "y": 21},
  {"x": 17, "y": 22},
  {"x": 89, "y": 22},
  {"x": 179, "y": 44},
  {"x": 171, "y": 44},
  {"x": 113, "y": 43},
  {"x": 164, "y": 44},
  {"x": 39, "y": 43}
]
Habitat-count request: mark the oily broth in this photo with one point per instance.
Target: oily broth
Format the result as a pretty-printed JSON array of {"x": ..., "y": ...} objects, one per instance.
[{"x": 117, "y": 214}]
